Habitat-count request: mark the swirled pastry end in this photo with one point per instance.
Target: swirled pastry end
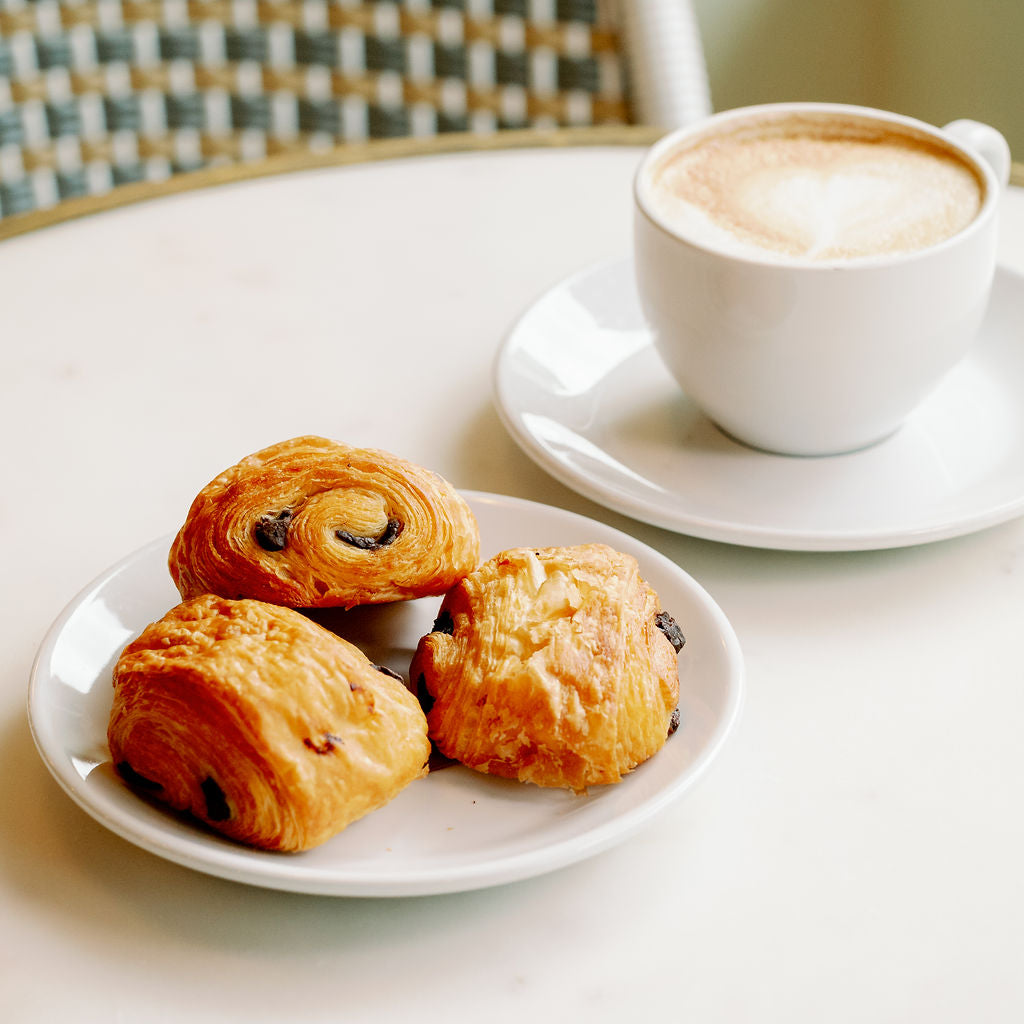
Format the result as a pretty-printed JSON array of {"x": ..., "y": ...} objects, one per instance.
[
  {"x": 261, "y": 723},
  {"x": 313, "y": 523},
  {"x": 553, "y": 666}
]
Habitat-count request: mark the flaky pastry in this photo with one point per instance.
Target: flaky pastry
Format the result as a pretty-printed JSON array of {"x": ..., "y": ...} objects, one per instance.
[
  {"x": 312, "y": 523},
  {"x": 554, "y": 666},
  {"x": 268, "y": 727}
]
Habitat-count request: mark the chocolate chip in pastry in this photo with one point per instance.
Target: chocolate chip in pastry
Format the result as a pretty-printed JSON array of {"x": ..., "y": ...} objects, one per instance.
[
  {"x": 555, "y": 666},
  {"x": 312, "y": 523},
  {"x": 268, "y": 727}
]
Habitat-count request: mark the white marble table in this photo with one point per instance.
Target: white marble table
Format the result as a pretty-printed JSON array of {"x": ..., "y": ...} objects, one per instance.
[{"x": 853, "y": 855}]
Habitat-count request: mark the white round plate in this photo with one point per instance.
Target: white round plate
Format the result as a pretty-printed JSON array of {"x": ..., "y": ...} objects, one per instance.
[
  {"x": 453, "y": 830},
  {"x": 580, "y": 387}
]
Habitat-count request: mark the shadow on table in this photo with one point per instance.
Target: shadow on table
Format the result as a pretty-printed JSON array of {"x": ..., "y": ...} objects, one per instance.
[{"x": 87, "y": 880}]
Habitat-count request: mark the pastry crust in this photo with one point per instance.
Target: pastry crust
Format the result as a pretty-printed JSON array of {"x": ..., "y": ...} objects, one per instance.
[
  {"x": 553, "y": 666},
  {"x": 312, "y": 523},
  {"x": 268, "y": 727}
]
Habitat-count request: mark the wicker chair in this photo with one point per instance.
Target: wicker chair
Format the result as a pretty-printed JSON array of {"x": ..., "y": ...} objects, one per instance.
[{"x": 95, "y": 94}]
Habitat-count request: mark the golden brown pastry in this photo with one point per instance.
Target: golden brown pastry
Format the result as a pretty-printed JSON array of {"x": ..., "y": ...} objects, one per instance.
[
  {"x": 312, "y": 523},
  {"x": 554, "y": 666},
  {"x": 261, "y": 723}
]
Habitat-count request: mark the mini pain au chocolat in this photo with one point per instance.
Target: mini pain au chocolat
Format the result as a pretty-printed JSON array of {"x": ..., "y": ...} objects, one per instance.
[
  {"x": 554, "y": 666},
  {"x": 265, "y": 725},
  {"x": 313, "y": 523}
]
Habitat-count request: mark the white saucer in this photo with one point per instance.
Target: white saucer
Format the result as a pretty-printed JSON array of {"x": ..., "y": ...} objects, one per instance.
[
  {"x": 580, "y": 387},
  {"x": 453, "y": 830}
]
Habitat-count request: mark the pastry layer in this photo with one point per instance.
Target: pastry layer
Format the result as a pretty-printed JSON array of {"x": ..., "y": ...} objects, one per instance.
[
  {"x": 553, "y": 666},
  {"x": 266, "y": 726},
  {"x": 312, "y": 523}
]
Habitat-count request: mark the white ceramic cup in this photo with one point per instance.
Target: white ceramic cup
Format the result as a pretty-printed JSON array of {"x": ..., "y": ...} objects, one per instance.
[{"x": 809, "y": 357}]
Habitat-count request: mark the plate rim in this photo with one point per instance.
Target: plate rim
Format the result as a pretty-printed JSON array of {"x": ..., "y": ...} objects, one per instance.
[
  {"x": 705, "y": 527},
  {"x": 240, "y": 864}
]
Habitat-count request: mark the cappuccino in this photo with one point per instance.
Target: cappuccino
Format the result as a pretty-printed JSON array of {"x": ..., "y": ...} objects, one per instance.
[{"x": 819, "y": 188}]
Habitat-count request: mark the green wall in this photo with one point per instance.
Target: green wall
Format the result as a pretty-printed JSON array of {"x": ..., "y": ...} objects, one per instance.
[{"x": 934, "y": 59}]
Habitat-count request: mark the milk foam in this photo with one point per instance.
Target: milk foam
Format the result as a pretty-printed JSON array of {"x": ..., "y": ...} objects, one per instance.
[{"x": 801, "y": 190}]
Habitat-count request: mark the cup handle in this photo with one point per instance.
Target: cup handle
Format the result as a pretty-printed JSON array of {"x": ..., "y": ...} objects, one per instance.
[{"x": 987, "y": 142}]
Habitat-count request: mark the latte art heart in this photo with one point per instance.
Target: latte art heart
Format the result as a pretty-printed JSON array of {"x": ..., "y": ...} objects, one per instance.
[{"x": 823, "y": 192}]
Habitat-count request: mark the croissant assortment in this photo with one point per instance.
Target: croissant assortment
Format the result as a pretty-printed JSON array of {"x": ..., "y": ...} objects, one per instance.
[{"x": 553, "y": 666}]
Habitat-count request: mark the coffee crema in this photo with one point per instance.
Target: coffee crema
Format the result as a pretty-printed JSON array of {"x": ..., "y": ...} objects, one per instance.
[{"x": 807, "y": 188}]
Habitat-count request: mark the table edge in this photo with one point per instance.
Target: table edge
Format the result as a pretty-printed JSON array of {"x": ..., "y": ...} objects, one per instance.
[{"x": 338, "y": 156}]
